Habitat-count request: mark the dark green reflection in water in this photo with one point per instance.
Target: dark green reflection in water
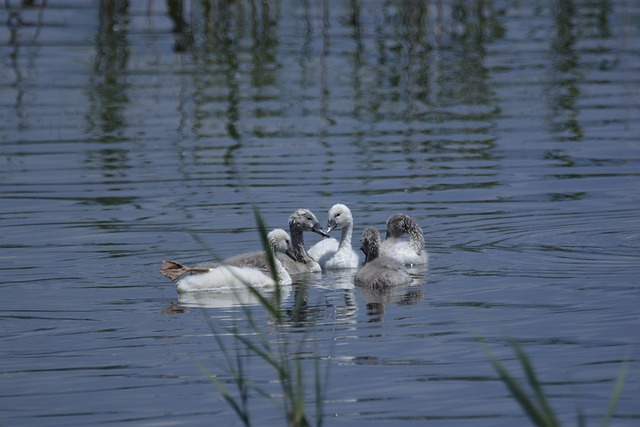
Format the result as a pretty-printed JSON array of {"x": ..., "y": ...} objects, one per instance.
[{"x": 107, "y": 90}]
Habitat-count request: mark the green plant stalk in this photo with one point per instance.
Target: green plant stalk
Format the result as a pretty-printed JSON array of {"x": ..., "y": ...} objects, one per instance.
[
  {"x": 540, "y": 413},
  {"x": 272, "y": 308},
  {"x": 617, "y": 392},
  {"x": 237, "y": 373},
  {"x": 537, "y": 408},
  {"x": 545, "y": 409},
  {"x": 288, "y": 369},
  {"x": 519, "y": 394}
]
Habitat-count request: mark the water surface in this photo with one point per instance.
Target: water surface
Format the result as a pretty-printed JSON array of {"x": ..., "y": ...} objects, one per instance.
[{"x": 131, "y": 132}]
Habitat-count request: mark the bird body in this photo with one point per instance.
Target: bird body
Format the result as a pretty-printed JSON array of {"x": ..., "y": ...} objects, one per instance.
[
  {"x": 379, "y": 271},
  {"x": 408, "y": 252},
  {"x": 331, "y": 254},
  {"x": 253, "y": 268}
]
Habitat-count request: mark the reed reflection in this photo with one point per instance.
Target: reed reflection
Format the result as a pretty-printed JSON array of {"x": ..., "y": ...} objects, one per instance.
[
  {"x": 107, "y": 93},
  {"x": 405, "y": 62},
  {"x": 107, "y": 90},
  {"x": 565, "y": 80},
  {"x": 431, "y": 65},
  {"x": 184, "y": 38},
  {"x": 24, "y": 23}
]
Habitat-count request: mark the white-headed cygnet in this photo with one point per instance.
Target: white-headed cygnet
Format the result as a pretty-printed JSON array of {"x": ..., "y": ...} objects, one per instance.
[
  {"x": 378, "y": 271},
  {"x": 300, "y": 221},
  {"x": 409, "y": 252},
  {"x": 250, "y": 268},
  {"x": 330, "y": 254}
]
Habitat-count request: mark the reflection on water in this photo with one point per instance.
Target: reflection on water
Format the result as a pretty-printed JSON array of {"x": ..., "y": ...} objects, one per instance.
[
  {"x": 107, "y": 85},
  {"x": 133, "y": 131},
  {"x": 564, "y": 89},
  {"x": 227, "y": 299}
]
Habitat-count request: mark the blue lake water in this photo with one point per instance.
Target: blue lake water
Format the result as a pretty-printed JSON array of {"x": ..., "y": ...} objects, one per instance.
[{"x": 132, "y": 132}]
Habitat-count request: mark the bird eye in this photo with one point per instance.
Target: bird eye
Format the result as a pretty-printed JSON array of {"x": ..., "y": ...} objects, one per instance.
[{"x": 338, "y": 214}]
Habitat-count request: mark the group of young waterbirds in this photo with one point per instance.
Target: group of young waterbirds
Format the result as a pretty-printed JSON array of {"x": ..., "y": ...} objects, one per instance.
[{"x": 384, "y": 264}]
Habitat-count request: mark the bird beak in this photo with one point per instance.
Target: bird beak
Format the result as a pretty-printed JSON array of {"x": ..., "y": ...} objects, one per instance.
[
  {"x": 366, "y": 256},
  {"x": 289, "y": 252},
  {"x": 330, "y": 226},
  {"x": 317, "y": 229}
]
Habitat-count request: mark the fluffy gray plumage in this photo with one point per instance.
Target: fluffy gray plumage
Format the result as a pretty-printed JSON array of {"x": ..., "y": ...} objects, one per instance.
[{"x": 379, "y": 271}]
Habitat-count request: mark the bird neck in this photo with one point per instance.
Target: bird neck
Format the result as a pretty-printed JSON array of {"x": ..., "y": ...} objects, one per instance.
[
  {"x": 373, "y": 251},
  {"x": 416, "y": 238},
  {"x": 345, "y": 237},
  {"x": 281, "y": 273},
  {"x": 297, "y": 245}
]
